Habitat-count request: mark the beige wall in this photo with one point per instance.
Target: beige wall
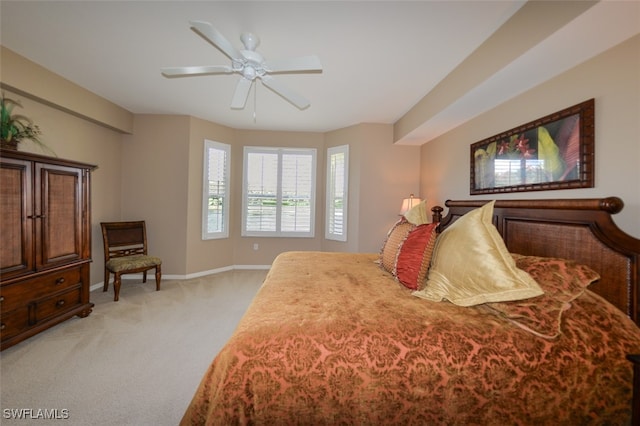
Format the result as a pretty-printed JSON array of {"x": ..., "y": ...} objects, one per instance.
[
  {"x": 389, "y": 174},
  {"x": 155, "y": 173},
  {"x": 205, "y": 255},
  {"x": 21, "y": 75},
  {"x": 381, "y": 175},
  {"x": 162, "y": 182},
  {"x": 612, "y": 78},
  {"x": 155, "y": 162}
]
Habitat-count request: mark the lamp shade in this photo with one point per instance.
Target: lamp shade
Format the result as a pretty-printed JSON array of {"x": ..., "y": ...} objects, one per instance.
[{"x": 408, "y": 203}]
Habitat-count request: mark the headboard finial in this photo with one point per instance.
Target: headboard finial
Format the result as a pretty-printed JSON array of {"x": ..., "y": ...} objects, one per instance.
[
  {"x": 612, "y": 205},
  {"x": 436, "y": 217}
]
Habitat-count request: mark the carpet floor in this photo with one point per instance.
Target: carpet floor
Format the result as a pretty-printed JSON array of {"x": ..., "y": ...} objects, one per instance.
[{"x": 137, "y": 361}]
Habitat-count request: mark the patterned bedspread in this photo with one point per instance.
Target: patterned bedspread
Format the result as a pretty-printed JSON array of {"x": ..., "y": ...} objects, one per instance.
[{"x": 332, "y": 339}]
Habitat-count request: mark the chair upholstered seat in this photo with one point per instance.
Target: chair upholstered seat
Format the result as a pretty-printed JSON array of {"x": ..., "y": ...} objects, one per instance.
[{"x": 128, "y": 263}]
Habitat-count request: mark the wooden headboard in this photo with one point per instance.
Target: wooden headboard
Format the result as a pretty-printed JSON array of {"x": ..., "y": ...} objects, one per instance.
[{"x": 578, "y": 229}]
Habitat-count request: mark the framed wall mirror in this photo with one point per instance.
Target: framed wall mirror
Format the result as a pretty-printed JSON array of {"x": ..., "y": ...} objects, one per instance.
[{"x": 553, "y": 152}]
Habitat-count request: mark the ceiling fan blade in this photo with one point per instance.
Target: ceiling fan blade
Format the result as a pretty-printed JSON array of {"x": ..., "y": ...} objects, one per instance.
[
  {"x": 303, "y": 63},
  {"x": 241, "y": 93},
  {"x": 285, "y": 92},
  {"x": 216, "y": 38},
  {"x": 197, "y": 70}
]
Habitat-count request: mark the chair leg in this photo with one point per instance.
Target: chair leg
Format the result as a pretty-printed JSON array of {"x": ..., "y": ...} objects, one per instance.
[
  {"x": 116, "y": 286},
  {"x": 144, "y": 276},
  {"x": 105, "y": 286},
  {"x": 158, "y": 277}
]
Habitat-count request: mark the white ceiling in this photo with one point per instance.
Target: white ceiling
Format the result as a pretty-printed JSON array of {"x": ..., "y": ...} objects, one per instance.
[{"x": 379, "y": 58}]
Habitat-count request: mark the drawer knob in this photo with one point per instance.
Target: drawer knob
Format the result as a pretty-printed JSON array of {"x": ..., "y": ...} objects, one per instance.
[
  {"x": 2, "y": 326},
  {"x": 60, "y": 281},
  {"x": 1, "y": 299},
  {"x": 60, "y": 303}
]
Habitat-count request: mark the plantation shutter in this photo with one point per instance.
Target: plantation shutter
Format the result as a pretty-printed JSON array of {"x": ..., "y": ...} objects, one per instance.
[
  {"x": 297, "y": 190},
  {"x": 216, "y": 197},
  {"x": 262, "y": 191},
  {"x": 279, "y": 192},
  {"x": 337, "y": 183}
]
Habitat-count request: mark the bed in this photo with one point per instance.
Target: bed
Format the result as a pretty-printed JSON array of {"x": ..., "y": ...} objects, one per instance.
[{"x": 344, "y": 338}]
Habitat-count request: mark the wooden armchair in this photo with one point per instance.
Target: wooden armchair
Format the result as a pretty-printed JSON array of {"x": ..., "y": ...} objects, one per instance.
[{"x": 125, "y": 252}]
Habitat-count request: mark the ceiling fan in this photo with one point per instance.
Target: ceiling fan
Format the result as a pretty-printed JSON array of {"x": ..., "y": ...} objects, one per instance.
[{"x": 249, "y": 64}]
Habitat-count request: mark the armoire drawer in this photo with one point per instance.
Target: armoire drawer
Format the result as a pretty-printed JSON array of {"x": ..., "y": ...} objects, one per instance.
[
  {"x": 20, "y": 294},
  {"x": 55, "y": 305},
  {"x": 14, "y": 322}
]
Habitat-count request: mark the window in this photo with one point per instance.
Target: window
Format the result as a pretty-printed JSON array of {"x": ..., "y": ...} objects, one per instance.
[
  {"x": 215, "y": 204},
  {"x": 337, "y": 200},
  {"x": 279, "y": 192}
]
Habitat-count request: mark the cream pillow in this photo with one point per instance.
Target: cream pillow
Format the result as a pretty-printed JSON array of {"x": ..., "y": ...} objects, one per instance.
[
  {"x": 471, "y": 265},
  {"x": 418, "y": 214}
]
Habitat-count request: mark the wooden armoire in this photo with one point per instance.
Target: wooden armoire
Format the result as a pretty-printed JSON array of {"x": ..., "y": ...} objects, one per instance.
[{"x": 45, "y": 243}]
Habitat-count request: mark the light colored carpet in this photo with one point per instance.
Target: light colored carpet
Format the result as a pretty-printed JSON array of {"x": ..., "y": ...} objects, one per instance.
[{"x": 137, "y": 361}]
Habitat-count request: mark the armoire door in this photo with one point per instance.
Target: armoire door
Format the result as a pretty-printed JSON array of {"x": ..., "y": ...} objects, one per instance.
[
  {"x": 17, "y": 255},
  {"x": 58, "y": 214}
]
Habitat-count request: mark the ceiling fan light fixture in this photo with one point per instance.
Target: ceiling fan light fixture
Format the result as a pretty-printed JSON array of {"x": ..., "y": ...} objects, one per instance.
[{"x": 249, "y": 72}]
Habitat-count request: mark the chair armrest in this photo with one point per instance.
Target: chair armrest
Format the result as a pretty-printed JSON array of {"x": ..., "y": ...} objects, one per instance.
[{"x": 635, "y": 408}]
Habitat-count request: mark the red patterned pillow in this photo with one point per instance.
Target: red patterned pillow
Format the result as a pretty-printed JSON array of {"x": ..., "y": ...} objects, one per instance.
[
  {"x": 407, "y": 252},
  {"x": 415, "y": 256},
  {"x": 562, "y": 281}
]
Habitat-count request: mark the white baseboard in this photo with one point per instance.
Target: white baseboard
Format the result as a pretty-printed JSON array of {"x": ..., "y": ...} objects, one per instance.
[{"x": 100, "y": 285}]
